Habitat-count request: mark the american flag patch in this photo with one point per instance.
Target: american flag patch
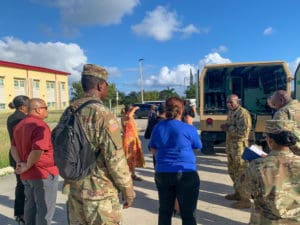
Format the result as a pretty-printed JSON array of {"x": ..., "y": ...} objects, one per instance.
[{"x": 113, "y": 127}]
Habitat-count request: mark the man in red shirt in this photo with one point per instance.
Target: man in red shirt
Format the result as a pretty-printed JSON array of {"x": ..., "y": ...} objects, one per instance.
[{"x": 33, "y": 151}]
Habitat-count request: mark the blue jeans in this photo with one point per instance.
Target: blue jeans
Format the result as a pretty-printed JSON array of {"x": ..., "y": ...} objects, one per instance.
[
  {"x": 181, "y": 185},
  {"x": 40, "y": 200}
]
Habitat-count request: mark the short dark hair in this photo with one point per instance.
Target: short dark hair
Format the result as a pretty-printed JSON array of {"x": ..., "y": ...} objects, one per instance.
[
  {"x": 19, "y": 101},
  {"x": 284, "y": 138},
  {"x": 89, "y": 82}
]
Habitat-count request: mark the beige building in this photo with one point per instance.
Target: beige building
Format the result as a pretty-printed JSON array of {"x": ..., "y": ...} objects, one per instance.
[{"x": 35, "y": 82}]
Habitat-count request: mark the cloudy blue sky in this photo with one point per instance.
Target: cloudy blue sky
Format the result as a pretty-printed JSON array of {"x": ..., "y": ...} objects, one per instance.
[{"x": 171, "y": 36}]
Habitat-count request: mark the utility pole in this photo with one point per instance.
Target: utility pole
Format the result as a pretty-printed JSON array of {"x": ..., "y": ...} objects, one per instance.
[{"x": 141, "y": 78}]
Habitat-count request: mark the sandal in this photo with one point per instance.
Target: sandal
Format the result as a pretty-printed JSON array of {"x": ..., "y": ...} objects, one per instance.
[{"x": 135, "y": 177}]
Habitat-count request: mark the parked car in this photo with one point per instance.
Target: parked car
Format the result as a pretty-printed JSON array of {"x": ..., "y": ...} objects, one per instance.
[{"x": 143, "y": 111}]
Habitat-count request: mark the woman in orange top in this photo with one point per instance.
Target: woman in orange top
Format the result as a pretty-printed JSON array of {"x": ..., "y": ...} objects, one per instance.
[{"x": 131, "y": 142}]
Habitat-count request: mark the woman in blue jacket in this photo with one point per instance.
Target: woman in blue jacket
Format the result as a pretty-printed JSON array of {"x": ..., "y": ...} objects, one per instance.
[{"x": 173, "y": 141}]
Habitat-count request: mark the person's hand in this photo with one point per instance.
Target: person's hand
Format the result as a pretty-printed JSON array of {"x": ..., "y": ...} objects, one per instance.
[
  {"x": 263, "y": 155},
  {"x": 188, "y": 119},
  {"x": 21, "y": 167},
  {"x": 224, "y": 127}
]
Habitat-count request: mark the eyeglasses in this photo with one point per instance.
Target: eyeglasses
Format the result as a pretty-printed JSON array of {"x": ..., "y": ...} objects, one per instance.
[{"x": 44, "y": 107}]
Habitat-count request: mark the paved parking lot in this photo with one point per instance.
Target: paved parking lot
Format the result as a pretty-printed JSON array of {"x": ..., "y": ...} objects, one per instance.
[{"x": 212, "y": 208}]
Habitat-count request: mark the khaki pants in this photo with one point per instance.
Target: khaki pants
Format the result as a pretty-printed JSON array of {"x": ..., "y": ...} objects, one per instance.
[
  {"x": 93, "y": 212},
  {"x": 236, "y": 165}
]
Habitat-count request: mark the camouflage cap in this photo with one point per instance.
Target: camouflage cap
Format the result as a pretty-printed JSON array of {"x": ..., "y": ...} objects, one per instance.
[
  {"x": 277, "y": 126},
  {"x": 94, "y": 70}
]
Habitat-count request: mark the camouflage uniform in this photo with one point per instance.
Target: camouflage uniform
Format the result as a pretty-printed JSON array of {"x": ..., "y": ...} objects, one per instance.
[
  {"x": 94, "y": 199},
  {"x": 274, "y": 183},
  {"x": 239, "y": 126},
  {"x": 291, "y": 111}
]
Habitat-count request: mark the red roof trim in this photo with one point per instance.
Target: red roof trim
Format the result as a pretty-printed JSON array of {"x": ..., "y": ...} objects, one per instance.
[{"x": 29, "y": 67}]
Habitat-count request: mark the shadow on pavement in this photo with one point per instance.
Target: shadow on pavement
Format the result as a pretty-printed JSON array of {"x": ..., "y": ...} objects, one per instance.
[
  {"x": 142, "y": 201},
  {"x": 4, "y": 200},
  {"x": 202, "y": 168},
  {"x": 213, "y": 219}
]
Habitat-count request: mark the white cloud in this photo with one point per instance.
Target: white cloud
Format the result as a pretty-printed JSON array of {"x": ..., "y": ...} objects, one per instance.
[
  {"x": 220, "y": 49},
  {"x": 55, "y": 55},
  {"x": 161, "y": 25},
  {"x": 212, "y": 58},
  {"x": 176, "y": 76},
  {"x": 179, "y": 76},
  {"x": 93, "y": 12},
  {"x": 268, "y": 31},
  {"x": 189, "y": 30},
  {"x": 113, "y": 71}
]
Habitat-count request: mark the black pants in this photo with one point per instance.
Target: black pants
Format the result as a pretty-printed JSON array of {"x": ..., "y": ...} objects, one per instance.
[
  {"x": 19, "y": 192},
  {"x": 185, "y": 187}
]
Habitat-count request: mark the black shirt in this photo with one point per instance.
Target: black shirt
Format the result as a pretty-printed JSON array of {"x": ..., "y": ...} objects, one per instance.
[{"x": 12, "y": 121}]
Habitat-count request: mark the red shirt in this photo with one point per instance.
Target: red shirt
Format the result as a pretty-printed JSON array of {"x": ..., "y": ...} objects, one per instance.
[{"x": 32, "y": 133}]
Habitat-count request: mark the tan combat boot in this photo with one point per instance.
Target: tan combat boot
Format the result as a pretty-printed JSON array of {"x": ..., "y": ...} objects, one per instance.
[
  {"x": 234, "y": 196},
  {"x": 242, "y": 204}
]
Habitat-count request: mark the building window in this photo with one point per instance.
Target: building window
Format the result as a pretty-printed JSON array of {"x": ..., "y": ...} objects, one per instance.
[
  {"x": 1, "y": 82},
  {"x": 2, "y": 106},
  {"x": 22, "y": 83},
  {"x": 63, "y": 86},
  {"x": 51, "y": 104},
  {"x": 64, "y": 104},
  {"x": 50, "y": 85},
  {"x": 36, "y": 84},
  {"x": 18, "y": 83}
]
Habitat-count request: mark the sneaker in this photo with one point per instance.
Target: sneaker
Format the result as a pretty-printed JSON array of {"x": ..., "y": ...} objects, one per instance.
[
  {"x": 243, "y": 204},
  {"x": 234, "y": 196}
]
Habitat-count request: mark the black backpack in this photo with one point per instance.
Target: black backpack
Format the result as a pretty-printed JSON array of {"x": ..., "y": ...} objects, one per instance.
[{"x": 72, "y": 151}]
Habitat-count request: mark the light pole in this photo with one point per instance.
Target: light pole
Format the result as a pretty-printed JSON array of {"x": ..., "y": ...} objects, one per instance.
[{"x": 141, "y": 78}]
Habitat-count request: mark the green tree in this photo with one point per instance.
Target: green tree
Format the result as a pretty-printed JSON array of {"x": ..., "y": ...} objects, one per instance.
[
  {"x": 131, "y": 98},
  {"x": 164, "y": 94},
  {"x": 76, "y": 91},
  {"x": 190, "y": 92},
  {"x": 111, "y": 95},
  {"x": 151, "y": 95}
]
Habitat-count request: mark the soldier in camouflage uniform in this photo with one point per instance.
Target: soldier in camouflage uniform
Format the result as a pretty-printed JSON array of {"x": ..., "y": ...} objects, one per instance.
[
  {"x": 94, "y": 199},
  {"x": 287, "y": 109},
  {"x": 237, "y": 127},
  {"x": 273, "y": 182}
]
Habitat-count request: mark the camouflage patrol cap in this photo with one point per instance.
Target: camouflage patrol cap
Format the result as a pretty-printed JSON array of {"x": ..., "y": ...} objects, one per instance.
[
  {"x": 277, "y": 126},
  {"x": 94, "y": 70}
]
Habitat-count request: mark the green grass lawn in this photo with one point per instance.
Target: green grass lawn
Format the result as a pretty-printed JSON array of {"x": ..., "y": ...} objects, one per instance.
[{"x": 53, "y": 118}]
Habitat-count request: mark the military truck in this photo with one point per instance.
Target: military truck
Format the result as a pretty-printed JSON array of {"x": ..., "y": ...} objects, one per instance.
[{"x": 253, "y": 82}]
